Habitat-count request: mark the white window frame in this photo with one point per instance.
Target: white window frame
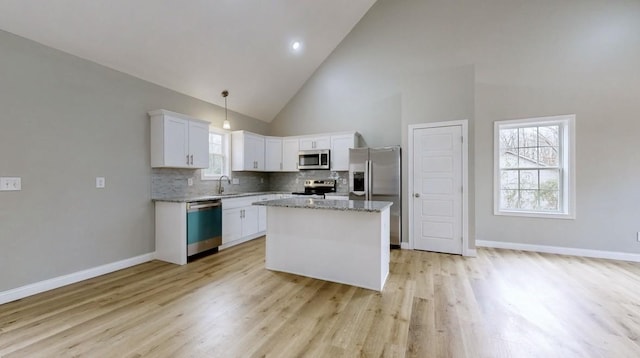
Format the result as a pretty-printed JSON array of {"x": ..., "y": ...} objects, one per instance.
[
  {"x": 567, "y": 161},
  {"x": 226, "y": 149}
]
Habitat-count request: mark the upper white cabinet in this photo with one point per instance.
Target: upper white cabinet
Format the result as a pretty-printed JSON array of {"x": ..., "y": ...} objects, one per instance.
[
  {"x": 290, "y": 149},
  {"x": 272, "y": 154},
  {"x": 254, "y": 152},
  {"x": 178, "y": 141},
  {"x": 316, "y": 142},
  {"x": 340, "y": 145},
  {"x": 247, "y": 151}
]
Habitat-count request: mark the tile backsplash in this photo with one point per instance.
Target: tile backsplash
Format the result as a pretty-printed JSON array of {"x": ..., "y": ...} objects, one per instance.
[
  {"x": 294, "y": 181},
  {"x": 173, "y": 183}
]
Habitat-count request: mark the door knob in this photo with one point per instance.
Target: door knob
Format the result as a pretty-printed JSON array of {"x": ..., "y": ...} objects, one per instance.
[{"x": 417, "y": 195}]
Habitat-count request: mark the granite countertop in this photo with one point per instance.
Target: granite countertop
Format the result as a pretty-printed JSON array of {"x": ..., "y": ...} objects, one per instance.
[
  {"x": 328, "y": 204},
  {"x": 191, "y": 199},
  {"x": 336, "y": 194}
]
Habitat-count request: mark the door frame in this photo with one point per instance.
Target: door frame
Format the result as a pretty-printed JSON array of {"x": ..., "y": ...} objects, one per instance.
[{"x": 464, "y": 124}]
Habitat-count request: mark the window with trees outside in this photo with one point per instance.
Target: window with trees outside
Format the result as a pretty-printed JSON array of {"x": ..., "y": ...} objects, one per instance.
[
  {"x": 534, "y": 167},
  {"x": 218, "y": 155}
]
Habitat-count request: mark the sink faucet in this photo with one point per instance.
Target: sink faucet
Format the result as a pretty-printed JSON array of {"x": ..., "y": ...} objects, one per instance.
[{"x": 220, "y": 188}]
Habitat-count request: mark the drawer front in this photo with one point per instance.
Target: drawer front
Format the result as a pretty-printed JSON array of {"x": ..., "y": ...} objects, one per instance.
[{"x": 238, "y": 202}]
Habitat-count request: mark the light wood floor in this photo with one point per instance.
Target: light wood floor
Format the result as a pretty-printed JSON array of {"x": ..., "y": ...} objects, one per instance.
[{"x": 500, "y": 304}]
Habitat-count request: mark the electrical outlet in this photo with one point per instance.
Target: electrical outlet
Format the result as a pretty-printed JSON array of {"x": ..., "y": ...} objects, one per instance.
[
  {"x": 10, "y": 184},
  {"x": 344, "y": 181},
  {"x": 190, "y": 182},
  {"x": 261, "y": 180},
  {"x": 100, "y": 182},
  {"x": 235, "y": 181}
]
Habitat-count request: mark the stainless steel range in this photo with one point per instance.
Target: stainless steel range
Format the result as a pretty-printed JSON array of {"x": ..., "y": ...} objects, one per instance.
[{"x": 316, "y": 188}]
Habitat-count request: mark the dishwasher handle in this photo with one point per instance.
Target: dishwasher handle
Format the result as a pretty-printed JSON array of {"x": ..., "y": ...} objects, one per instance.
[{"x": 203, "y": 205}]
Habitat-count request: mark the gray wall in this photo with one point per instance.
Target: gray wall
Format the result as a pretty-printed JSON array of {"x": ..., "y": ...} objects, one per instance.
[
  {"x": 422, "y": 61},
  {"x": 65, "y": 121}
]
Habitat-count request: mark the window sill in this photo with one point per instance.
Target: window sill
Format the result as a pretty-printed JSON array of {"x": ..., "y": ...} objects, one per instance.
[{"x": 533, "y": 214}]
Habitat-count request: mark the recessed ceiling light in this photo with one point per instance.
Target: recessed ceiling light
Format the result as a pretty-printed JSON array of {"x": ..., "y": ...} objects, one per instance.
[{"x": 296, "y": 45}]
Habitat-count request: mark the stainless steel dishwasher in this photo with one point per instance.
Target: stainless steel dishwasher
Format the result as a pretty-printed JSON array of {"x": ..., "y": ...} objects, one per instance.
[{"x": 204, "y": 226}]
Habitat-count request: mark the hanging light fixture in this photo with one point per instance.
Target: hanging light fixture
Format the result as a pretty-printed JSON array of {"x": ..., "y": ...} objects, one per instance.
[{"x": 225, "y": 124}]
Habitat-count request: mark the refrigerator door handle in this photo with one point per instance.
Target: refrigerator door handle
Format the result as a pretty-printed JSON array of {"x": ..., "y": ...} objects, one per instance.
[{"x": 369, "y": 179}]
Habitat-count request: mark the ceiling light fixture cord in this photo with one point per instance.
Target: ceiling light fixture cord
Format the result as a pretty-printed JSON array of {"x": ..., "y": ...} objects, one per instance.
[{"x": 225, "y": 124}]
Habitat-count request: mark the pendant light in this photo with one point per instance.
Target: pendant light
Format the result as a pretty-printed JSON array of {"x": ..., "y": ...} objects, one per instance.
[{"x": 225, "y": 124}]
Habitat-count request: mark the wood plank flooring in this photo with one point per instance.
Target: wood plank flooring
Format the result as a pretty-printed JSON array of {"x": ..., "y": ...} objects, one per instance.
[{"x": 499, "y": 304}]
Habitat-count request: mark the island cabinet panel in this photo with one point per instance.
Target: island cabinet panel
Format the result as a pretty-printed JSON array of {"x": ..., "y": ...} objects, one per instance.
[{"x": 351, "y": 248}]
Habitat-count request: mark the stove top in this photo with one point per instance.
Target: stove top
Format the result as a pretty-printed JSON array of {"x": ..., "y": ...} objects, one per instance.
[{"x": 315, "y": 186}]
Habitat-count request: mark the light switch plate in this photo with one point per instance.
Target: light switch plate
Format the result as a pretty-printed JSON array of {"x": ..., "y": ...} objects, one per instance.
[
  {"x": 100, "y": 182},
  {"x": 10, "y": 184}
]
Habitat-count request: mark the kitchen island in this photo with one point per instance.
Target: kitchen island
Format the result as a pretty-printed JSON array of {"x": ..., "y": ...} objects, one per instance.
[{"x": 342, "y": 241}]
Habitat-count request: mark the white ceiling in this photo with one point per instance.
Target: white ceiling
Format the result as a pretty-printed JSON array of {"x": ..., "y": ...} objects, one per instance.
[{"x": 196, "y": 47}]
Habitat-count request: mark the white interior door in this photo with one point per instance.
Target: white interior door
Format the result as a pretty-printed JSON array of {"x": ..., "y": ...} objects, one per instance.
[{"x": 437, "y": 189}]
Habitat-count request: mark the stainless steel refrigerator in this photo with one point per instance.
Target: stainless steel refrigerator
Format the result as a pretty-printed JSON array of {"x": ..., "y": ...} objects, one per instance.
[{"x": 374, "y": 174}]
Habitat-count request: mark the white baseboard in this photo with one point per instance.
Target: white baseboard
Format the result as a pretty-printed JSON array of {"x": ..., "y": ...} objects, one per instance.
[
  {"x": 612, "y": 255},
  {"x": 469, "y": 252},
  {"x": 405, "y": 246},
  {"x": 50, "y": 284},
  {"x": 241, "y": 240}
]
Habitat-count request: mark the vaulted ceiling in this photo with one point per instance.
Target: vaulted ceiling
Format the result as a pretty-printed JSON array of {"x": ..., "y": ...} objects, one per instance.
[{"x": 196, "y": 47}]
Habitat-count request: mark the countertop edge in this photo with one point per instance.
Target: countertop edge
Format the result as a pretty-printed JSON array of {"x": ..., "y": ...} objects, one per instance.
[
  {"x": 327, "y": 204},
  {"x": 216, "y": 197}
]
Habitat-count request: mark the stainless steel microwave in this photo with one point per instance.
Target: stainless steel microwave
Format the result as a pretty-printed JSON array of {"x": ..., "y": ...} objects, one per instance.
[{"x": 313, "y": 159}]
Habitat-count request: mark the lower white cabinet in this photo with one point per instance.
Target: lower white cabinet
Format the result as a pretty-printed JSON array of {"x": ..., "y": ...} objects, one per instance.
[
  {"x": 231, "y": 225},
  {"x": 242, "y": 221}
]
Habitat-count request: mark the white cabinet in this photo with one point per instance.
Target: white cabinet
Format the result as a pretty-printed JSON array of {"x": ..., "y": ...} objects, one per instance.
[
  {"x": 290, "y": 149},
  {"x": 250, "y": 221},
  {"x": 316, "y": 142},
  {"x": 340, "y": 145},
  {"x": 178, "y": 141},
  {"x": 262, "y": 212},
  {"x": 247, "y": 151},
  {"x": 231, "y": 224},
  {"x": 242, "y": 221},
  {"x": 273, "y": 154},
  {"x": 254, "y": 152}
]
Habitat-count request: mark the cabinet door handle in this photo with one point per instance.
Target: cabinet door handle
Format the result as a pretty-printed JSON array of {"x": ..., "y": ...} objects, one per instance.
[
  {"x": 187, "y": 159},
  {"x": 191, "y": 159}
]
